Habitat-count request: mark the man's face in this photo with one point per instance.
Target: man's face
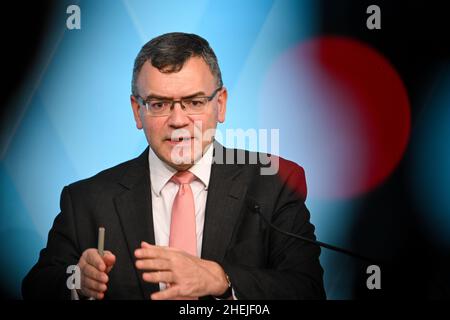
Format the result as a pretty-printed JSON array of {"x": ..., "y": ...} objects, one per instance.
[{"x": 163, "y": 132}]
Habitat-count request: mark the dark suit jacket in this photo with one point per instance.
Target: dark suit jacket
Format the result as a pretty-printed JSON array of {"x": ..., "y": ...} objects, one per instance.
[{"x": 261, "y": 263}]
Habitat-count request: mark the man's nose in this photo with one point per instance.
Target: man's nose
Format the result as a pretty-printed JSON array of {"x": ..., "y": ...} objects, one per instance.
[{"x": 178, "y": 117}]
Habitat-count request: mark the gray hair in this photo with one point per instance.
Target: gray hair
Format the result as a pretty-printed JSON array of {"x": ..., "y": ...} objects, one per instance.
[{"x": 169, "y": 52}]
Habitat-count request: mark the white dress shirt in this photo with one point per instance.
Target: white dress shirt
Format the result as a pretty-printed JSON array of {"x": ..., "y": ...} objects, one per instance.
[{"x": 164, "y": 191}]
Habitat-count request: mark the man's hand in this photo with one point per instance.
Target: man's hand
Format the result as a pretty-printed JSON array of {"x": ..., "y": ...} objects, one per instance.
[
  {"x": 94, "y": 269},
  {"x": 187, "y": 276}
]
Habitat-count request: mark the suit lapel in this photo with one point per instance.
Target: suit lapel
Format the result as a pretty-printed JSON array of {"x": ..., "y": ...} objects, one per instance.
[
  {"x": 134, "y": 207},
  {"x": 226, "y": 191},
  {"x": 225, "y": 195}
]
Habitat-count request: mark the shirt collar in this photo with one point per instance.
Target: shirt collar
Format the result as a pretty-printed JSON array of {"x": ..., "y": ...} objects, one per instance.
[{"x": 161, "y": 172}]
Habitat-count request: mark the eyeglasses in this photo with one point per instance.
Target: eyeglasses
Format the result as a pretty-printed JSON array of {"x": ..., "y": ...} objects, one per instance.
[{"x": 161, "y": 107}]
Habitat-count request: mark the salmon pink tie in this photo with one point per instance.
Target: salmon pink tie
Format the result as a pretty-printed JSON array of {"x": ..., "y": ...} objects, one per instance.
[{"x": 182, "y": 226}]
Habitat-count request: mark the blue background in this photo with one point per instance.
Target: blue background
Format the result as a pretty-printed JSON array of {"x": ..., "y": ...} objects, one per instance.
[{"x": 73, "y": 118}]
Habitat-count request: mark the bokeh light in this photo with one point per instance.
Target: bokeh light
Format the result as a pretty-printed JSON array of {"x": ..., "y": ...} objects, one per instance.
[
  {"x": 430, "y": 172},
  {"x": 344, "y": 114}
]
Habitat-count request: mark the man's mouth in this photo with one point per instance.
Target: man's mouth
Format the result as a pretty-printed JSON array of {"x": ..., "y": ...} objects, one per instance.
[{"x": 177, "y": 140}]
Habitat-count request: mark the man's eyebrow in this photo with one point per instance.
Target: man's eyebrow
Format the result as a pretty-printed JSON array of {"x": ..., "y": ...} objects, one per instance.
[{"x": 155, "y": 96}]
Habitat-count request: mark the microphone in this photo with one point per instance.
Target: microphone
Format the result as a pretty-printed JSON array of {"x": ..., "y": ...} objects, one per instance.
[{"x": 254, "y": 206}]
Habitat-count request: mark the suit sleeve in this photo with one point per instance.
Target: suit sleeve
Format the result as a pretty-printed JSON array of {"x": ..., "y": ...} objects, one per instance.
[
  {"x": 292, "y": 270},
  {"x": 47, "y": 279}
]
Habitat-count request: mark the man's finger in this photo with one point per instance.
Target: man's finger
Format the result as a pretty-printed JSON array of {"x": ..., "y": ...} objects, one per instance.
[
  {"x": 94, "y": 285},
  {"x": 153, "y": 264},
  {"x": 165, "y": 248},
  {"x": 169, "y": 293},
  {"x": 94, "y": 259},
  {"x": 158, "y": 276},
  {"x": 109, "y": 259},
  {"x": 145, "y": 244},
  {"x": 95, "y": 274},
  {"x": 151, "y": 253},
  {"x": 94, "y": 294}
]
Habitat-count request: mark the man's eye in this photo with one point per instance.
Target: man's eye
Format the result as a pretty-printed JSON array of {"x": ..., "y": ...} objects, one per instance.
[
  {"x": 159, "y": 104},
  {"x": 195, "y": 102}
]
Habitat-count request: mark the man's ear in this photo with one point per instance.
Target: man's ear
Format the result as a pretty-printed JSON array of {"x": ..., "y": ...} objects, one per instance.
[
  {"x": 222, "y": 105},
  {"x": 136, "y": 111}
]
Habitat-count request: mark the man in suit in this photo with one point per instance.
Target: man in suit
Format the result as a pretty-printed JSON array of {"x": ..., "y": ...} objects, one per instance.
[{"x": 185, "y": 219}]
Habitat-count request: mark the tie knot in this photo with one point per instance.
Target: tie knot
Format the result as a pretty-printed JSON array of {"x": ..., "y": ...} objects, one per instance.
[{"x": 183, "y": 177}]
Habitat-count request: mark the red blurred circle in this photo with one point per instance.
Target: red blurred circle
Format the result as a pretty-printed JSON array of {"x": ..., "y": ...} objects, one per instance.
[{"x": 360, "y": 94}]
